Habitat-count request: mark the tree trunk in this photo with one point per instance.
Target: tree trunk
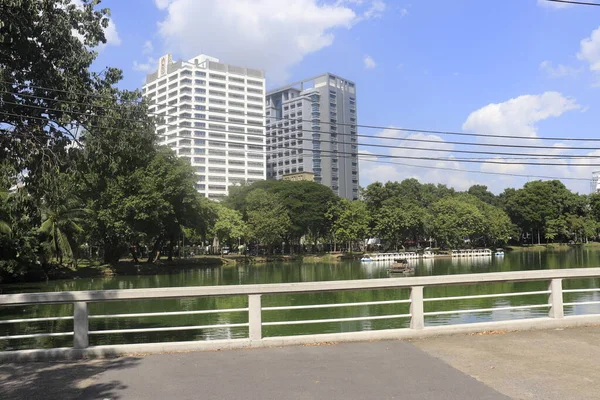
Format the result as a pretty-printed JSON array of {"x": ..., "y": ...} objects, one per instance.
[
  {"x": 155, "y": 253},
  {"x": 56, "y": 246},
  {"x": 170, "y": 257},
  {"x": 539, "y": 242},
  {"x": 133, "y": 251}
]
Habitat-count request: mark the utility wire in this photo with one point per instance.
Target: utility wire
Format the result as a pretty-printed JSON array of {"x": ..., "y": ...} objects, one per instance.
[
  {"x": 524, "y": 156},
  {"x": 477, "y": 172},
  {"x": 437, "y": 132},
  {"x": 374, "y": 158},
  {"x": 581, "y": 3},
  {"x": 466, "y": 160},
  {"x": 160, "y": 124}
]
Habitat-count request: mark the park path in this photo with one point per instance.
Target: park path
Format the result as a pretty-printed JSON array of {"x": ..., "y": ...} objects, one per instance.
[{"x": 554, "y": 364}]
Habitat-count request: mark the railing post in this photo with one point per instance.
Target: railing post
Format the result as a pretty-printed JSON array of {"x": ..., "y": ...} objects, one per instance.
[
  {"x": 254, "y": 317},
  {"x": 80, "y": 325},
  {"x": 417, "y": 319},
  {"x": 555, "y": 299}
]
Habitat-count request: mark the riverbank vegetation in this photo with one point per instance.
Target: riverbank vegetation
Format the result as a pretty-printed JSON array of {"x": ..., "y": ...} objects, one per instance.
[{"x": 83, "y": 177}]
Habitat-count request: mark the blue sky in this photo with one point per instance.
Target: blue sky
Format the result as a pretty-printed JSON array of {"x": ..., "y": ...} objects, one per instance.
[{"x": 507, "y": 67}]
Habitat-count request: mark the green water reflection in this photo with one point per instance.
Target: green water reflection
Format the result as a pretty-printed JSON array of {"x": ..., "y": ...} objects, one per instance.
[{"x": 297, "y": 272}]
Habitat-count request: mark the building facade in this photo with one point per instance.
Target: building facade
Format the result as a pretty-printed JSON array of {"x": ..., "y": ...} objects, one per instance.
[
  {"x": 213, "y": 114},
  {"x": 311, "y": 127},
  {"x": 299, "y": 176}
]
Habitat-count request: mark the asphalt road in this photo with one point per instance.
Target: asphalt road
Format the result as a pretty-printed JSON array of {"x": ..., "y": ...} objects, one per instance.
[{"x": 373, "y": 370}]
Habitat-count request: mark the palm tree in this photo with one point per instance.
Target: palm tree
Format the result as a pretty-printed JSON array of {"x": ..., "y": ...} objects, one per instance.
[{"x": 61, "y": 223}]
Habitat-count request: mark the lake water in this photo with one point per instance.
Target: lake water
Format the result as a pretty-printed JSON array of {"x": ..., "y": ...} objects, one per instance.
[{"x": 297, "y": 272}]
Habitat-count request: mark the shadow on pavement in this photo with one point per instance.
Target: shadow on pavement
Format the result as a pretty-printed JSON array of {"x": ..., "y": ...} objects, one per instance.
[{"x": 62, "y": 380}]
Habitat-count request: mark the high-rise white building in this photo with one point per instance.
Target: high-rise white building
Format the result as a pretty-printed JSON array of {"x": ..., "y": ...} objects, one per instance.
[
  {"x": 311, "y": 127},
  {"x": 212, "y": 114}
]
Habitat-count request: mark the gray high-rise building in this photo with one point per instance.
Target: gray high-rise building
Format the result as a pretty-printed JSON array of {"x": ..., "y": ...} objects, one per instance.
[{"x": 311, "y": 127}]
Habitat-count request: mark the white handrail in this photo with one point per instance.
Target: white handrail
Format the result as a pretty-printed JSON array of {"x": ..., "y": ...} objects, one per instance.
[{"x": 254, "y": 309}]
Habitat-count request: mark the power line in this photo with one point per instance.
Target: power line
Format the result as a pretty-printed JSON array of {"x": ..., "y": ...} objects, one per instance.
[
  {"x": 581, "y": 3},
  {"x": 465, "y": 160},
  {"x": 478, "y": 172},
  {"x": 436, "y": 132},
  {"x": 369, "y": 158},
  {"x": 329, "y": 132},
  {"x": 530, "y": 155}
]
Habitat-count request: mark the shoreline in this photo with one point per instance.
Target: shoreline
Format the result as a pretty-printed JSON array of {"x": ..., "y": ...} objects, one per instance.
[{"x": 129, "y": 268}]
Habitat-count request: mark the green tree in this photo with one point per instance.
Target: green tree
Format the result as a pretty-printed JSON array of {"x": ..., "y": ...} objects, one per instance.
[
  {"x": 61, "y": 222},
  {"x": 45, "y": 78},
  {"x": 537, "y": 202},
  {"x": 350, "y": 221},
  {"x": 398, "y": 221},
  {"x": 229, "y": 224},
  {"x": 5, "y": 224},
  {"x": 454, "y": 220},
  {"x": 268, "y": 221},
  {"x": 556, "y": 228},
  {"x": 483, "y": 194}
]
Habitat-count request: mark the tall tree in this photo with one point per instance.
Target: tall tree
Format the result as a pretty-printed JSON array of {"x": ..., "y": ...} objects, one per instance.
[
  {"x": 268, "y": 221},
  {"x": 483, "y": 194},
  {"x": 45, "y": 80},
  {"x": 350, "y": 221},
  {"x": 398, "y": 221},
  {"x": 454, "y": 221},
  {"x": 228, "y": 225}
]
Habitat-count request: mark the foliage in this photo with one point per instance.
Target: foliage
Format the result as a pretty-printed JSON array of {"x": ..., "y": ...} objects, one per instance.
[
  {"x": 305, "y": 203},
  {"x": 455, "y": 220},
  {"x": 46, "y": 81},
  {"x": 268, "y": 220},
  {"x": 350, "y": 220},
  {"x": 399, "y": 220},
  {"x": 228, "y": 224},
  {"x": 538, "y": 202}
]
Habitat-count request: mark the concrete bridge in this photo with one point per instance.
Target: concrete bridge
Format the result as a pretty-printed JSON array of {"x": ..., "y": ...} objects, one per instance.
[
  {"x": 481, "y": 360},
  {"x": 558, "y": 364}
]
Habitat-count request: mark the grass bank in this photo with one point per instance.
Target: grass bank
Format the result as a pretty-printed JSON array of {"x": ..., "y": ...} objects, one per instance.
[
  {"x": 305, "y": 258},
  {"x": 554, "y": 247}
]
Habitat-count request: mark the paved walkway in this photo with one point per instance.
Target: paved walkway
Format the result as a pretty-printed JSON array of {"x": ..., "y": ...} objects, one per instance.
[
  {"x": 522, "y": 365},
  {"x": 555, "y": 364}
]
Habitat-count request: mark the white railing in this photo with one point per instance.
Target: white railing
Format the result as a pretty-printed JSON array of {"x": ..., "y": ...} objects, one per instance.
[{"x": 416, "y": 316}]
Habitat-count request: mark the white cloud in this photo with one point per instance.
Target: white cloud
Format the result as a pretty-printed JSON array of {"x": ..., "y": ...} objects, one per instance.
[
  {"x": 150, "y": 65},
  {"x": 375, "y": 10},
  {"x": 403, "y": 12},
  {"x": 518, "y": 116},
  {"x": 590, "y": 50},
  {"x": 162, "y": 4},
  {"x": 270, "y": 34},
  {"x": 111, "y": 34},
  {"x": 559, "y": 71},
  {"x": 369, "y": 62},
  {"x": 551, "y": 4},
  {"x": 403, "y": 165},
  {"x": 148, "y": 47}
]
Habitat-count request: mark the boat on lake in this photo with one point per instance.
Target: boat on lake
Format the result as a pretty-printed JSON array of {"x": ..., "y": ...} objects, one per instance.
[
  {"x": 471, "y": 253},
  {"x": 499, "y": 253},
  {"x": 389, "y": 257},
  {"x": 380, "y": 257},
  {"x": 401, "y": 268},
  {"x": 428, "y": 254}
]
